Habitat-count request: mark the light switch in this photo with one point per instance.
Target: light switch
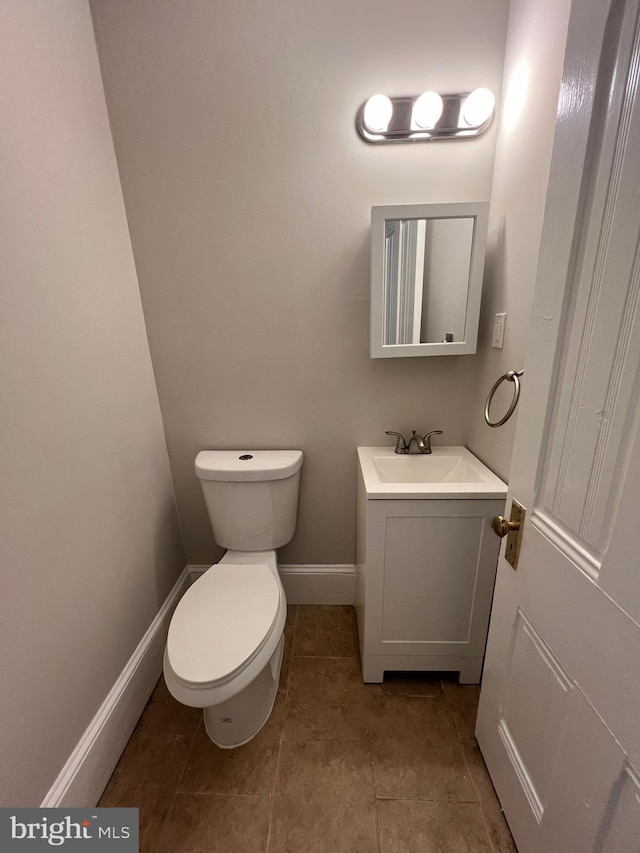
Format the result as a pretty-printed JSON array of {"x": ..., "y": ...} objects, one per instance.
[{"x": 498, "y": 331}]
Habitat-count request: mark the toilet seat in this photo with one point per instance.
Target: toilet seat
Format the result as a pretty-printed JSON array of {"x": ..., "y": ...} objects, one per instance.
[{"x": 221, "y": 623}]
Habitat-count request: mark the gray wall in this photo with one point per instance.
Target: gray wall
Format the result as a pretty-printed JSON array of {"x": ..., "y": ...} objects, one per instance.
[
  {"x": 90, "y": 544},
  {"x": 248, "y": 195},
  {"x": 532, "y": 75}
]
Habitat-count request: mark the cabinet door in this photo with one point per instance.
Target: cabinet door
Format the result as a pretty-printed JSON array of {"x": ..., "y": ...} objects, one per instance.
[{"x": 431, "y": 567}]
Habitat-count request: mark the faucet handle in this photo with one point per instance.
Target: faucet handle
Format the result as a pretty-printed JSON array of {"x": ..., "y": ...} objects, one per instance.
[
  {"x": 427, "y": 439},
  {"x": 401, "y": 444}
]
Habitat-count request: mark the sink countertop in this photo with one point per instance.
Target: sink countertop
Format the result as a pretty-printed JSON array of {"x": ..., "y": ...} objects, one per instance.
[{"x": 447, "y": 473}]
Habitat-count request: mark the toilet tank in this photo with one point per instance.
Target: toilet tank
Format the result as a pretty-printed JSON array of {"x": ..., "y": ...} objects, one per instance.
[{"x": 251, "y": 496}]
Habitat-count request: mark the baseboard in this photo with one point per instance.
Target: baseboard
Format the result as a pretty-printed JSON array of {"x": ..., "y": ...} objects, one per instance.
[
  {"x": 319, "y": 584},
  {"x": 309, "y": 584},
  {"x": 86, "y": 773}
]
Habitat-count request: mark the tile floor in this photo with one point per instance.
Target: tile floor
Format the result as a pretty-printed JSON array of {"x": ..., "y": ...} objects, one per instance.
[{"x": 341, "y": 766}]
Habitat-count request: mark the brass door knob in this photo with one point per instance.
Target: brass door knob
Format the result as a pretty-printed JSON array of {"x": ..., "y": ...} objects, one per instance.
[{"x": 501, "y": 526}]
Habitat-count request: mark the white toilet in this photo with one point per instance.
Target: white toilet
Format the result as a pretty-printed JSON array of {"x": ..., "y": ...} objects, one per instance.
[{"x": 225, "y": 642}]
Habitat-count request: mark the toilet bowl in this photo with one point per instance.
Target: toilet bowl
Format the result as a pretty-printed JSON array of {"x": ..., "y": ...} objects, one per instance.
[
  {"x": 224, "y": 647},
  {"x": 225, "y": 641}
]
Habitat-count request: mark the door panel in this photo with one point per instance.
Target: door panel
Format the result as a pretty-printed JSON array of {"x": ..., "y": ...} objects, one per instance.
[
  {"x": 559, "y": 717},
  {"x": 615, "y": 578},
  {"x": 596, "y": 399},
  {"x": 592, "y": 800},
  {"x": 534, "y": 711}
]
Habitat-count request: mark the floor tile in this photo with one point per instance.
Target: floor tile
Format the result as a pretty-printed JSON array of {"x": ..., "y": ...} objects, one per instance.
[
  {"x": 324, "y": 799},
  {"x": 326, "y": 631},
  {"x": 248, "y": 769},
  {"x": 305, "y": 783},
  {"x": 210, "y": 823},
  {"x": 408, "y": 684},
  {"x": 464, "y": 719},
  {"x": 325, "y": 699},
  {"x": 415, "y": 750},
  {"x": 494, "y": 818},
  {"x": 408, "y": 827},
  {"x": 153, "y": 802},
  {"x": 289, "y": 632},
  {"x": 146, "y": 778},
  {"x": 165, "y": 716},
  {"x": 462, "y": 694}
]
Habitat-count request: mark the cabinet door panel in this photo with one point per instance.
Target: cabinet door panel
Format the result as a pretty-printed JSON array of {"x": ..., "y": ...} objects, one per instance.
[
  {"x": 430, "y": 573},
  {"x": 430, "y": 568}
]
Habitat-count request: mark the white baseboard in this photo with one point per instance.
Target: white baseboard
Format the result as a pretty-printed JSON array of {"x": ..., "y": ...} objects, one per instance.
[
  {"x": 319, "y": 584},
  {"x": 312, "y": 584},
  {"x": 86, "y": 773}
]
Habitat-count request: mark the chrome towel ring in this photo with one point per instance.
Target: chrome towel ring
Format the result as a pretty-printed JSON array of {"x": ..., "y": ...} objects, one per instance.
[{"x": 510, "y": 376}]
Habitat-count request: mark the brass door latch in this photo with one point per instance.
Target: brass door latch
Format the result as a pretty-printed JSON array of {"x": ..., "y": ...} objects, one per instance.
[{"x": 512, "y": 529}]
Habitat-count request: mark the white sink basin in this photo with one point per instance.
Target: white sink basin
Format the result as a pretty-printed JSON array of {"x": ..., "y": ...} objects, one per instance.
[
  {"x": 448, "y": 472},
  {"x": 425, "y": 469}
]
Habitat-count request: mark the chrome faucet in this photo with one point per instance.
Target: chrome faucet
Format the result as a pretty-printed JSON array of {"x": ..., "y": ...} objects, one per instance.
[{"x": 422, "y": 442}]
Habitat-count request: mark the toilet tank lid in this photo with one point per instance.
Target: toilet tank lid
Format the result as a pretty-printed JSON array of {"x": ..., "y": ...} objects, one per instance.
[{"x": 247, "y": 465}]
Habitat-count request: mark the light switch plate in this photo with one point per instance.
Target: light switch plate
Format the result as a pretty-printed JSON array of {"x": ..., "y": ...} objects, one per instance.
[{"x": 498, "y": 331}]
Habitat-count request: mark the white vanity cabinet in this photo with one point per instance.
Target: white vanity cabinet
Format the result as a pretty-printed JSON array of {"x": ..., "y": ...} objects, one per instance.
[{"x": 425, "y": 570}]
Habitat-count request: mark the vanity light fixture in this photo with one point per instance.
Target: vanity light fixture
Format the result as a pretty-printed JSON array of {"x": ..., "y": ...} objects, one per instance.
[{"x": 426, "y": 117}]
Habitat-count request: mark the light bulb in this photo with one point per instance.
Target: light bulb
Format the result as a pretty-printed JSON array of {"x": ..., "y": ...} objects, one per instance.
[
  {"x": 427, "y": 110},
  {"x": 478, "y": 107},
  {"x": 377, "y": 113}
]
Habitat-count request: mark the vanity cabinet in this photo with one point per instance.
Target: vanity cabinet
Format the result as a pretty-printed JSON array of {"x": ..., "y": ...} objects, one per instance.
[{"x": 425, "y": 570}]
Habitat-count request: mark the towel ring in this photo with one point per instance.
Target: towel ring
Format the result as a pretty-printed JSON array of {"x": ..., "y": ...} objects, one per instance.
[{"x": 510, "y": 376}]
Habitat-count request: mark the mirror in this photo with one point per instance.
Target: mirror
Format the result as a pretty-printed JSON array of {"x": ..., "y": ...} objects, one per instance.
[{"x": 426, "y": 278}]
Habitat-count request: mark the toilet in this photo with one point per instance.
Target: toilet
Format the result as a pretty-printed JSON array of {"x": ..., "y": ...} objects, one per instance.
[{"x": 225, "y": 641}]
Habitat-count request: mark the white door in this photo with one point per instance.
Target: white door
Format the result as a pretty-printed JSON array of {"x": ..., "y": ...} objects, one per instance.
[{"x": 559, "y": 716}]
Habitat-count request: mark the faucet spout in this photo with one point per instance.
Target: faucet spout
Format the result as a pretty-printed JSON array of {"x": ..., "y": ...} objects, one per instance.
[{"x": 418, "y": 441}]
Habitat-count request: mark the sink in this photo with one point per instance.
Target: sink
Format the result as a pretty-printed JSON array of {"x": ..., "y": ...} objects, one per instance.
[
  {"x": 448, "y": 472},
  {"x": 425, "y": 469}
]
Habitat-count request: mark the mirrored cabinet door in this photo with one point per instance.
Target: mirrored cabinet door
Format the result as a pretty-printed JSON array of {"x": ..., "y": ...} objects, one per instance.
[{"x": 426, "y": 278}]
